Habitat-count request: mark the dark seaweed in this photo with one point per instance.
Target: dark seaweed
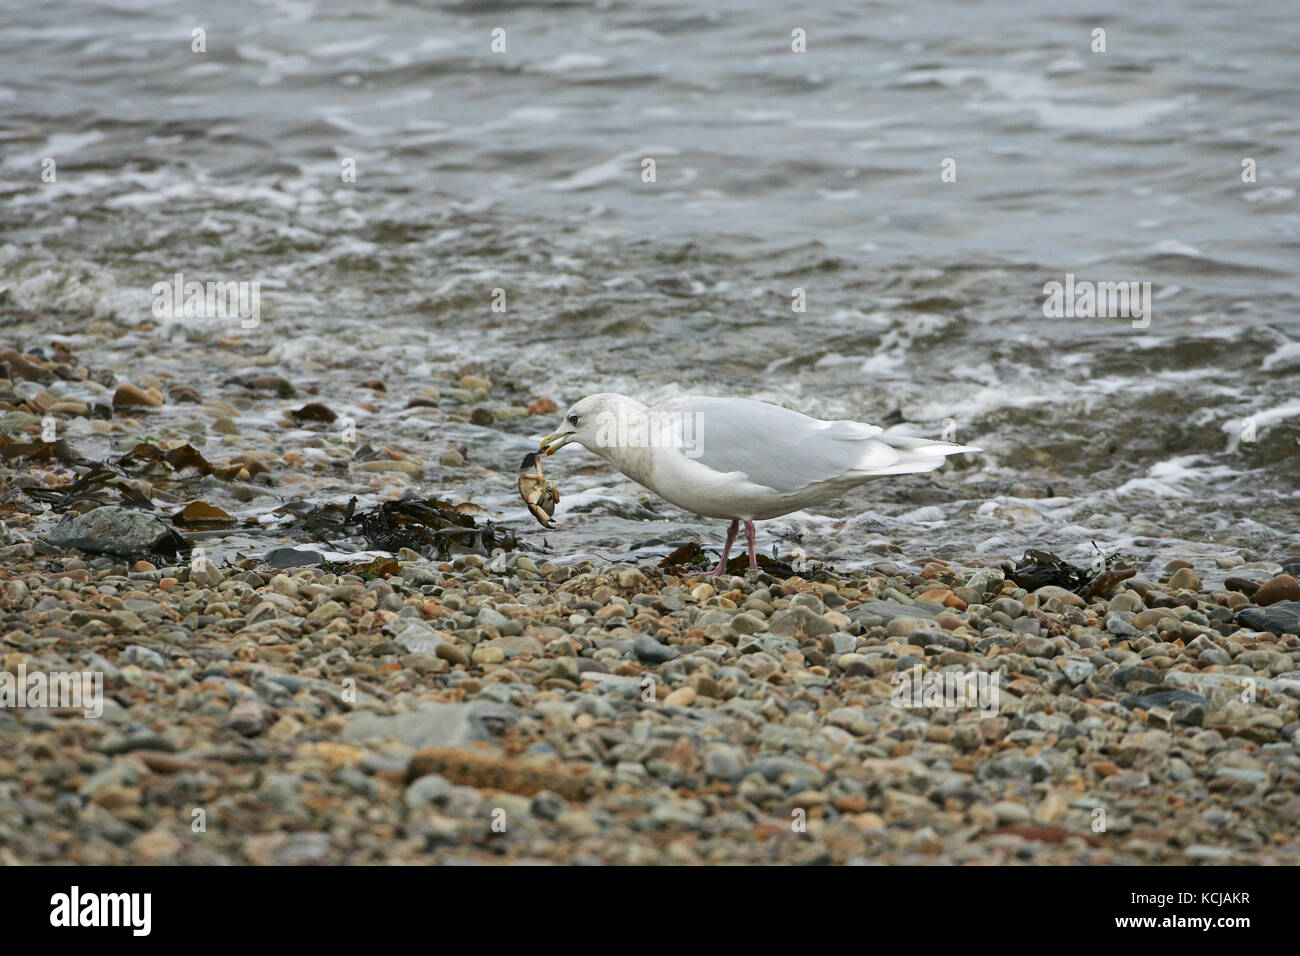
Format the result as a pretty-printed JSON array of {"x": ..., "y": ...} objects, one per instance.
[
  {"x": 690, "y": 558},
  {"x": 1039, "y": 569},
  {"x": 430, "y": 526}
]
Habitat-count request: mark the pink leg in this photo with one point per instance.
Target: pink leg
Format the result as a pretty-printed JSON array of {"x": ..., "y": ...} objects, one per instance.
[
  {"x": 726, "y": 551},
  {"x": 749, "y": 537}
]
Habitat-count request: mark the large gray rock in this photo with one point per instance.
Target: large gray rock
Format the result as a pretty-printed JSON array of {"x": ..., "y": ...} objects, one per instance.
[
  {"x": 410, "y": 631},
  {"x": 111, "y": 529},
  {"x": 651, "y": 651},
  {"x": 436, "y": 725},
  {"x": 1206, "y": 682},
  {"x": 283, "y": 559},
  {"x": 800, "y": 620},
  {"x": 875, "y": 613},
  {"x": 1283, "y": 618}
]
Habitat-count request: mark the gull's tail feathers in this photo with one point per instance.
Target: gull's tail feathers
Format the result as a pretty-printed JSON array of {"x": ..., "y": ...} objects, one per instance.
[{"x": 905, "y": 455}]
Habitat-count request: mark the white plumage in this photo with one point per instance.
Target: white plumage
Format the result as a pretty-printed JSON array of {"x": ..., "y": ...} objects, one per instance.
[{"x": 737, "y": 458}]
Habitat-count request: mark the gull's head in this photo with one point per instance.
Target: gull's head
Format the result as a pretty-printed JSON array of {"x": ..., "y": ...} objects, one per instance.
[{"x": 585, "y": 421}]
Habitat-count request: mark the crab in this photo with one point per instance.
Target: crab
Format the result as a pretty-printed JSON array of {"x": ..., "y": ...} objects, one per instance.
[{"x": 539, "y": 494}]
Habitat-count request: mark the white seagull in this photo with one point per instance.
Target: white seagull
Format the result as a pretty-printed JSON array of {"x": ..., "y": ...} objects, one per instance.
[{"x": 737, "y": 458}]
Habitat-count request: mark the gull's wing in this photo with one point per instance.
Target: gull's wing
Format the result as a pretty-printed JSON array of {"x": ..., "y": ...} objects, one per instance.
[{"x": 785, "y": 450}]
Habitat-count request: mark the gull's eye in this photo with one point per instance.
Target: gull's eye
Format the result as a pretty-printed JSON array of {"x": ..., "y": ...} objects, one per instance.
[{"x": 573, "y": 420}]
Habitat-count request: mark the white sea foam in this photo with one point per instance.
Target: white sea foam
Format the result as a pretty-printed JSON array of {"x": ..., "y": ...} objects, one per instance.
[
  {"x": 624, "y": 166},
  {"x": 59, "y": 146},
  {"x": 1285, "y": 354},
  {"x": 571, "y": 63}
]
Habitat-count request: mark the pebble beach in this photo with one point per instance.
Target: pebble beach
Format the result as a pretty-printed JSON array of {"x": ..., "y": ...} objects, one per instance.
[
  {"x": 504, "y": 706},
  {"x": 288, "y": 291}
]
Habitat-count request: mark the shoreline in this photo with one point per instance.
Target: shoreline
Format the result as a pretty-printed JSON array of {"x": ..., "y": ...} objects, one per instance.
[{"x": 509, "y": 692}]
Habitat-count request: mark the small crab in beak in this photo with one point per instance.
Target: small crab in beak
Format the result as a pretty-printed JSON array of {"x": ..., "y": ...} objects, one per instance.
[{"x": 540, "y": 495}]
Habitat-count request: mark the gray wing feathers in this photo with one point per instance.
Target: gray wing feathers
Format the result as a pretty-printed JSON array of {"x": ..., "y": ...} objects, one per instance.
[{"x": 785, "y": 450}]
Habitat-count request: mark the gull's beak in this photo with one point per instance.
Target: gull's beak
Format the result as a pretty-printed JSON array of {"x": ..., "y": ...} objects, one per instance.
[{"x": 553, "y": 441}]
